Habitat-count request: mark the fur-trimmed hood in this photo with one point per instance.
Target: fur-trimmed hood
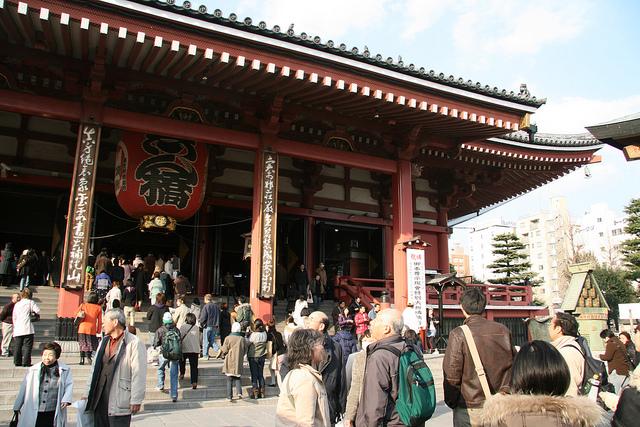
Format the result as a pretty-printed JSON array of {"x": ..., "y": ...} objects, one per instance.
[{"x": 513, "y": 410}]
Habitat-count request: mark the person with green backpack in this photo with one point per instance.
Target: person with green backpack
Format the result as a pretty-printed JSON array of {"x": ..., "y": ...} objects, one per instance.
[
  {"x": 406, "y": 398},
  {"x": 168, "y": 339}
]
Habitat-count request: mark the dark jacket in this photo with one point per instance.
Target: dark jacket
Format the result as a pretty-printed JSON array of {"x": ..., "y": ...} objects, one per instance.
[
  {"x": 461, "y": 384},
  {"x": 6, "y": 315},
  {"x": 381, "y": 384},
  {"x": 8, "y": 261},
  {"x": 615, "y": 356},
  {"x": 154, "y": 316},
  {"x": 628, "y": 410},
  {"x": 160, "y": 333},
  {"x": 103, "y": 263},
  {"x": 333, "y": 377},
  {"x": 210, "y": 316},
  {"x": 129, "y": 296},
  {"x": 225, "y": 322},
  {"x": 302, "y": 280},
  {"x": 347, "y": 343},
  {"x": 117, "y": 273}
]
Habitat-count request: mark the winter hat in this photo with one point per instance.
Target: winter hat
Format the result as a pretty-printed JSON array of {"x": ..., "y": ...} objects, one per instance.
[
  {"x": 235, "y": 327},
  {"x": 167, "y": 319}
]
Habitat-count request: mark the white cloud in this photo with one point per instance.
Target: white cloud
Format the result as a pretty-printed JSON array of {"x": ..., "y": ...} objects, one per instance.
[
  {"x": 420, "y": 15},
  {"x": 572, "y": 114},
  {"x": 516, "y": 28}
]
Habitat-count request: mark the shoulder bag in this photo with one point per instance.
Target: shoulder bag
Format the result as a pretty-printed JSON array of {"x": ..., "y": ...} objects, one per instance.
[
  {"x": 33, "y": 316},
  {"x": 482, "y": 376}
]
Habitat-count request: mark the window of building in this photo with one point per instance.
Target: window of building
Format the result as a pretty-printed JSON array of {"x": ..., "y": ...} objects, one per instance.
[
  {"x": 599, "y": 219},
  {"x": 601, "y": 234},
  {"x": 541, "y": 267}
]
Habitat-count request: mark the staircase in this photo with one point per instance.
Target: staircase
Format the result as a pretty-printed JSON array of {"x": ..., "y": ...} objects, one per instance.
[{"x": 211, "y": 389}]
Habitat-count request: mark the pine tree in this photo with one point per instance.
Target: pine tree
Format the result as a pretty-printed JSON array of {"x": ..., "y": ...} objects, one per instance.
[
  {"x": 511, "y": 263},
  {"x": 631, "y": 247}
]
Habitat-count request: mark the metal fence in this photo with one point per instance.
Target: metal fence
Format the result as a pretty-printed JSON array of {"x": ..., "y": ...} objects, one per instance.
[{"x": 516, "y": 325}]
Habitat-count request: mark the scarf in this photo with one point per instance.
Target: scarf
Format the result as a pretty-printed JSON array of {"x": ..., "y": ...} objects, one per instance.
[{"x": 49, "y": 371}]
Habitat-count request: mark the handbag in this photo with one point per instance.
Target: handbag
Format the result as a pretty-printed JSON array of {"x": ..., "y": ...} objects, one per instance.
[
  {"x": 309, "y": 296},
  {"x": 79, "y": 316},
  {"x": 482, "y": 376},
  {"x": 33, "y": 316},
  {"x": 14, "y": 420}
]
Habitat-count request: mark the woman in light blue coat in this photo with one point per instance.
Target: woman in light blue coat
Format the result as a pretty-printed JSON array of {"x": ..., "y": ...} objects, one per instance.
[{"x": 46, "y": 391}]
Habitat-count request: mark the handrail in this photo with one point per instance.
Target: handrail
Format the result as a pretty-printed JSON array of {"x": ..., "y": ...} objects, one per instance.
[{"x": 369, "y": 289}]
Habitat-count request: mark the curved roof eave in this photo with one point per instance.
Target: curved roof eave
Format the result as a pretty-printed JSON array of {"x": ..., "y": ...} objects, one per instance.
[
  {"x": 313, "y": 48},
  {"x": 547, "y": 141}
]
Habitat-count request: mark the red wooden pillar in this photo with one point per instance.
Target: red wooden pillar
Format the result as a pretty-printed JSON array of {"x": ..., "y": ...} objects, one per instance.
[
  {"x": 203, "y": 281},
  {"x": 309, "y": 253},
  {"x": 261, "y": 308},
  {"x": 402, "y": 230},
  {"x": 443, "y": 242}
]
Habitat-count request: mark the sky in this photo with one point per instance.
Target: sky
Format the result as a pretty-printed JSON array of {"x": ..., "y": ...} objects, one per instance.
[{"x": 582, "y": 56}]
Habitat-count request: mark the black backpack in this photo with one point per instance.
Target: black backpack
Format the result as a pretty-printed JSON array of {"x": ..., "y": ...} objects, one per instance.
[{"x": 592, "y": 367}]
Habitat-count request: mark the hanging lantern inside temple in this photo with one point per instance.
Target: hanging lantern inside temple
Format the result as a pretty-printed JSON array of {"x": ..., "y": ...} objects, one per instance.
[{"x": 160, "y": 180}]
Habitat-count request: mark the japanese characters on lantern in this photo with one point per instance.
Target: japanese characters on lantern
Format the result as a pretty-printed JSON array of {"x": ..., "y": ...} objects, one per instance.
[
  {"x": 269, "y": 211},
  {"x": 79, "y": 217},
  {"x": 162, "y": 179},
  {"x": 417, "y": 291}
]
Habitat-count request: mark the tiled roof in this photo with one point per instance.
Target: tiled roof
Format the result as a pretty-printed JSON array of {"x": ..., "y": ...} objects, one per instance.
[
  {"x": 189, "y": 8},
  {"x": 554, "y": 140}
]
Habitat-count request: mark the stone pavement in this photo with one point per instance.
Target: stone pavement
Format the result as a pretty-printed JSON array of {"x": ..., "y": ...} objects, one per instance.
[{"x": 244, "y": 414}]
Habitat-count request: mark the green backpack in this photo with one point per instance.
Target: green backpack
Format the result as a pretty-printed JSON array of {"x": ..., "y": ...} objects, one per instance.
[
  {"x": 416, "y": 400},
  {"x": 172, "y": 345}
]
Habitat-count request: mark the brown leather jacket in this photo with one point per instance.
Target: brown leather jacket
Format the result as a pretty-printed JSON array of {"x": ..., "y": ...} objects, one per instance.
[
  {"x": 461, "y": 384},
  {"x": 615, "y": 354}
]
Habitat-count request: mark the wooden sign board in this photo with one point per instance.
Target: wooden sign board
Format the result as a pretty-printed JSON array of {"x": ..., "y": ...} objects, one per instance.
[{"x": 269, "y": 222}]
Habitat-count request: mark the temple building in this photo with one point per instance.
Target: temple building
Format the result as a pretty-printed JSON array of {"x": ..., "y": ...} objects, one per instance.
[{"x": 201, "y": 128}]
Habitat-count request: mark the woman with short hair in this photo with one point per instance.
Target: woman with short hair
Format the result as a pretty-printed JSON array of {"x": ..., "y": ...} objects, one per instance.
[
  {"x": 539, "y": 382},
  {"x": 303, "y": 398},
  {"x": 90, "y": 316},
  {"x": 45, "y": 392},
  {"x": 190, "y": 336},
  {"x": 256, "y": 354}
]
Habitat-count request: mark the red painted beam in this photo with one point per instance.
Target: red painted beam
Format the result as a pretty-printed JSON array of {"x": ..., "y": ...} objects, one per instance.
[
  {"x": 331, "y": 156},
  {"x": 41, "y": 106}
]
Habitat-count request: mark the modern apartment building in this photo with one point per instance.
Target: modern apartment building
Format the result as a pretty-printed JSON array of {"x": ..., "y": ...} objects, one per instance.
[
  {"x": 601, "y": 232},
  {"x": 481, "y": 247},
  {"x": 459, "y": 259}
]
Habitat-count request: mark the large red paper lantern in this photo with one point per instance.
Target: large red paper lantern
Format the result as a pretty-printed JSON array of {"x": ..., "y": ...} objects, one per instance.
[{"x": 160, "y": 180}]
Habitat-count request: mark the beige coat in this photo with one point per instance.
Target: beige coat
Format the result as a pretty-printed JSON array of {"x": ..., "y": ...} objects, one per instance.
[
  {"x": 180, "y": 315},
  {"x": 235, "y": 348},
  {"x": 130, "y": 377},
  {"x": 190, "y": 336},
  {"x": 357, "y": 378},
  {"x": 303, "y": 400},
  {"x": 572, "y": 354},
  {"x": 520, "y": 410}
]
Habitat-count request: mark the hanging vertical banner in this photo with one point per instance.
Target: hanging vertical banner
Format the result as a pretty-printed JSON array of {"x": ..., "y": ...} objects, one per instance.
[
  {"x": 269, "y": 222},
  {"x": 76, "y": 243},
  {"x": 417, "y": 292}
]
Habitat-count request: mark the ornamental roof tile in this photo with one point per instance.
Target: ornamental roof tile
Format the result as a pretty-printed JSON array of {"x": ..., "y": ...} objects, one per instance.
[
  {"x": 554, "y": 140},
  {"x": 188, "y": 8}
]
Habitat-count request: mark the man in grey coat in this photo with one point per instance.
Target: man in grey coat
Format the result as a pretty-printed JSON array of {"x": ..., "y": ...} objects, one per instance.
[
  {"x": 381, "y": 372},
  {"x": 118, "y": 374}
]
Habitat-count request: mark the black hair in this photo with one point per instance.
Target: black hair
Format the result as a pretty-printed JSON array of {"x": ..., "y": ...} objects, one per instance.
[
  {"x": 305, "y": 312},
  {"x": 258, "y": 325},
  {"x": 473, "y": 301},
  {"x": 190, "y": 319},
  {"x": 411, "y": 337},
  {"x": 196, "y": 301},
  {"x": 540, "y": 369},
  {"x": 300, "y": 347},
  {"x": 92, "y": 298},
  {"x": 53, "y": 346},
  {"x": 115, "y": 303},
  {"x": 567, "y": 323},
  {"x": 242, "y": 299},
  {"x": 607, "y": 334}
]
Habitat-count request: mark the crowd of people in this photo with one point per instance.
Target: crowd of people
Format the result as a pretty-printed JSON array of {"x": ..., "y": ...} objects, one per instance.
[
  {"x": 27, "y": 267},
  {"x": 349, "y": 377}
]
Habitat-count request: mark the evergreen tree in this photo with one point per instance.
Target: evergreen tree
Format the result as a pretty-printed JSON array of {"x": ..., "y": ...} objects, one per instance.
[
  {"x": 615, "y": 287},
  {"x": 511, "y": 263},
  {"x": 631, "y": 247}
]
